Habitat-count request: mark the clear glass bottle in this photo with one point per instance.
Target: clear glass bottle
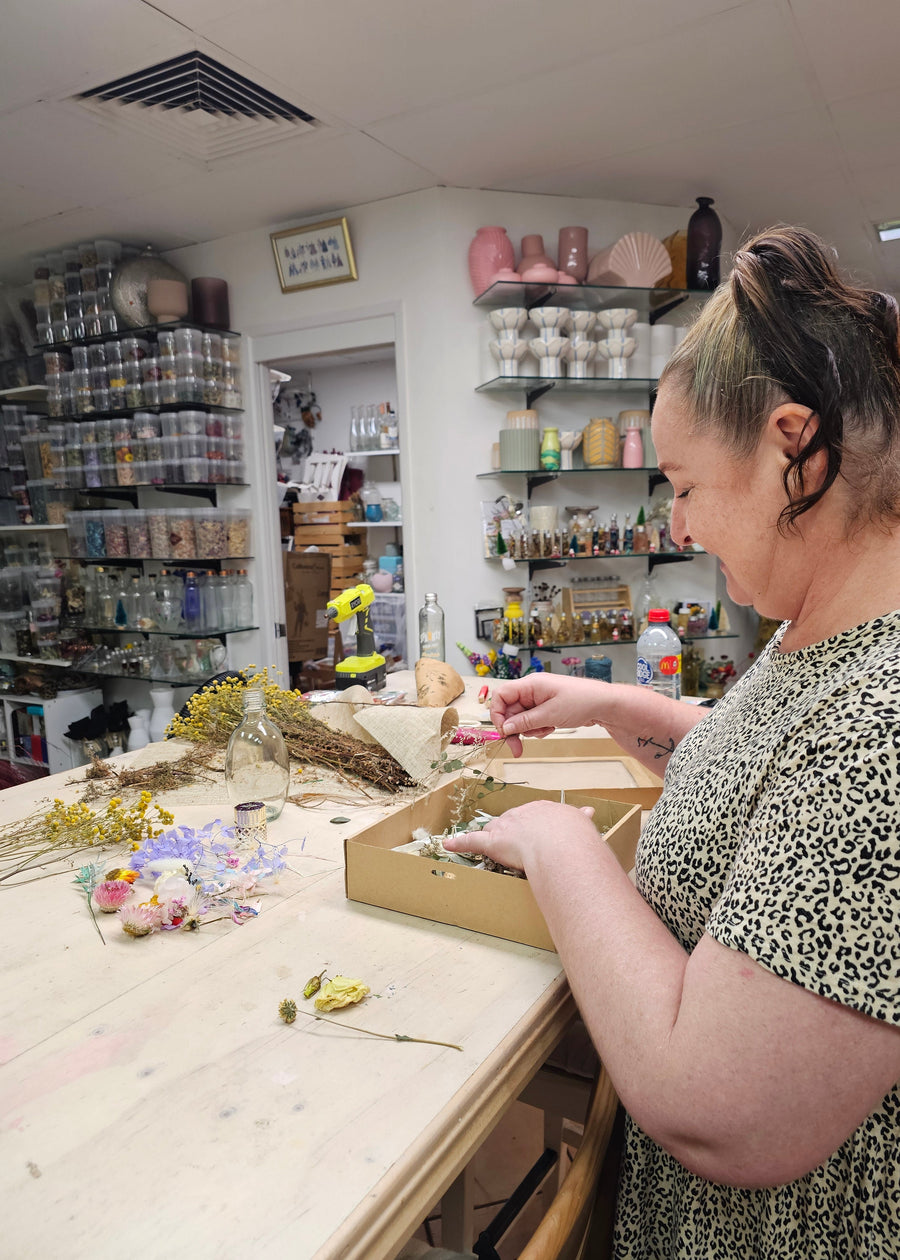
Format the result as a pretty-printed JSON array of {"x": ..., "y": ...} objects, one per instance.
[
  {"x": 354, "y": 430},
  {"x": 256, "y": 761},
  {"x": 431, "y": 629},
  {"x": 243, "y": 602},
  {"x": 371, "y": 428}
]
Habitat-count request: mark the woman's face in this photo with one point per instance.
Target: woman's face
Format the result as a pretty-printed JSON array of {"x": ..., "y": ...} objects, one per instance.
[{"x": 730, "y": 507}]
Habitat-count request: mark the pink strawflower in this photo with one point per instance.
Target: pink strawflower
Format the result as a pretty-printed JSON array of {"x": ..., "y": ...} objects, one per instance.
[
  {"x": 110, "y": 895},
  {"x": 140, "y": 920}
]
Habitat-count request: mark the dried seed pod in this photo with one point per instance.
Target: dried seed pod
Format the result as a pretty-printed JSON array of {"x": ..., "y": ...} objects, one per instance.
[
  {"x": 313, "y": 984},
  {"x": 288, "y": 1010}
]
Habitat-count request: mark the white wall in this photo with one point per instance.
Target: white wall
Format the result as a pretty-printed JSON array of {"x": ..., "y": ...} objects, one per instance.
[{"x": 411, "y": 256}]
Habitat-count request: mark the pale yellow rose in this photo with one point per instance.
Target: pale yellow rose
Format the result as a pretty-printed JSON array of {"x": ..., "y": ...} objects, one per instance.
[{"x": 340, "y": 991}]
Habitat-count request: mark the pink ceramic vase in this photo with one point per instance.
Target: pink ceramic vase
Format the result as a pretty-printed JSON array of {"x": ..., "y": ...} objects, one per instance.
[
  {"x": 573, "y": 257},
  {"x": 633, "y": 449},
  {"x": 491, "y": 251},
  {"x": 533, "y": 253}
]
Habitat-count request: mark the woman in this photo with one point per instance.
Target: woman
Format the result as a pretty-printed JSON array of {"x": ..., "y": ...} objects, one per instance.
[{"x": 745, "y": 995}]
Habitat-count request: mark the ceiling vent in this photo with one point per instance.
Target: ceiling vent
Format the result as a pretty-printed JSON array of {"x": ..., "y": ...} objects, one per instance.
[{"x": 199, "y": 107}]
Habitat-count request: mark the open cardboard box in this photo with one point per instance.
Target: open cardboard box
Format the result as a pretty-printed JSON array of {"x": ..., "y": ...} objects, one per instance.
[
  {"x": 596, "y": 765},
  {"x": 484, "y": 901}
]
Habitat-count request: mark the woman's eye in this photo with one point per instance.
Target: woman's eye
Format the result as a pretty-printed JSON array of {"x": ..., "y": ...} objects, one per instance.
[{"x": 684, "y": 494}]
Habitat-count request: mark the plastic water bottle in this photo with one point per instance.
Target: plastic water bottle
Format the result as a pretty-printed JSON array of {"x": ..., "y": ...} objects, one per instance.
[
  {"x": 659, "y": 656},
  {"x": 431, "y": 629}
]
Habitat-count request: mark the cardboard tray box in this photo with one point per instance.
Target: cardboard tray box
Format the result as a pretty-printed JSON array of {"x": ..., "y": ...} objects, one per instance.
[
  {"x": 483, "y": 901},
  {"x": 597, "y": 765}
]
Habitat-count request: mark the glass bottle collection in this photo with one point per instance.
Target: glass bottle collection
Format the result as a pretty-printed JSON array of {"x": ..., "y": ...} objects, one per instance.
[
  {"x": 584, "y": 536},
  {"x": 373, "y": 427}
]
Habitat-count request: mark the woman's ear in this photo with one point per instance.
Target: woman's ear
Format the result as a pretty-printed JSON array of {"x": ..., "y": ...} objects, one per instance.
[{"x": 791, "y": 426}]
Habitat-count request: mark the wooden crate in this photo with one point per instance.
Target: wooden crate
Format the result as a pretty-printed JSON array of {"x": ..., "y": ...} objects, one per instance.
[
  {"x": 336, "y": 534},
  {"x": 325, "y": 513},
  {"x": 585, "y": 598}
]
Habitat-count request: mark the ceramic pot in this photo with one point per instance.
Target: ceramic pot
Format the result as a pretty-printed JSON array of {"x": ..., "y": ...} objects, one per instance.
[
  {"x": 167, "y": 300},
  {"x": 704, "y": 240},
  {"x": 163, "y": 712},
  {"x": 601, "y": 443},
  {"x": 520, "y": 450},
  {"x": 633, "y": 449},
  {"x": 490, "y": 251},
  {"x": 209, "y": 298},
  {"x": 573, "y": 259},
  {"x": 533, "y": 254}
]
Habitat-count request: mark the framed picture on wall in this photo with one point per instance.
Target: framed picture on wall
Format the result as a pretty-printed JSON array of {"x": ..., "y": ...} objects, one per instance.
[{"x": 313, "y": 255}]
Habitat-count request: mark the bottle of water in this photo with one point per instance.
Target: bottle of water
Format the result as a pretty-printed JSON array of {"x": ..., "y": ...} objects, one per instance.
[
  {"x": 659, "y": 656},
  {"x": 431, "y": 629}
]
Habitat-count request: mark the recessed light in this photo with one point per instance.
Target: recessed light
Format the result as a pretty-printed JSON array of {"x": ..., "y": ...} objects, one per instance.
[{"x": 889, "y": 231}]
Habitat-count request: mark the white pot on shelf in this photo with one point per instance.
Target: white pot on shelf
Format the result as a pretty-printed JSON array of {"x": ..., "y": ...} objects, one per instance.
[{"x": 163, "y": 712}]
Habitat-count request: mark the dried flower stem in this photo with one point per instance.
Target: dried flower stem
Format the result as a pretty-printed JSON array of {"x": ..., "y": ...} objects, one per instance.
[{"x": 338, "y": 1023}]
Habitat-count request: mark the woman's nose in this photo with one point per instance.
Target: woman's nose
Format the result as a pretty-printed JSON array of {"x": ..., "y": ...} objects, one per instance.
[{"x": 678, "y": 525}]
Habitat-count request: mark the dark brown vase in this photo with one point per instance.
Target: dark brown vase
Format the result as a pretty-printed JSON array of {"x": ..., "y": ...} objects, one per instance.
[{"x": 704, "y": 241}]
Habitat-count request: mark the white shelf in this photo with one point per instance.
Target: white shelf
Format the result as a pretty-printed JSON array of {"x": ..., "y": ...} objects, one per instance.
[
  {"x": 15, "y": 529},
  {"x": 35, "y": 660},
  {"x": 352, "y": 455},
  {"x": 25, "y": 393},
  {"x": 378, "y": 524}
]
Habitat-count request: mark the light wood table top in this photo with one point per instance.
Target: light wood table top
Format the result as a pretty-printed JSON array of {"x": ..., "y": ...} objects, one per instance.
[{"x": 152, "y": 1099}]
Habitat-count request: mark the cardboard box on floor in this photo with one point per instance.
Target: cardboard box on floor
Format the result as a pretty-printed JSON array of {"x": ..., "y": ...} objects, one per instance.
[
  {"x": 598, "y": 765},
  {"x": 307, "y": 590},
  {"x": 483, "y": 901}
]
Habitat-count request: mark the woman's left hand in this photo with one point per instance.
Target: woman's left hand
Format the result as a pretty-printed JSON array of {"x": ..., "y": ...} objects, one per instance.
[{"x": 513, "y": 837}]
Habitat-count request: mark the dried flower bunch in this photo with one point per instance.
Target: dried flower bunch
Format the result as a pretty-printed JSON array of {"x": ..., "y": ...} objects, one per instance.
[
  {"x": 65, "y": 830},
  {"x": 214, "y": 712}
]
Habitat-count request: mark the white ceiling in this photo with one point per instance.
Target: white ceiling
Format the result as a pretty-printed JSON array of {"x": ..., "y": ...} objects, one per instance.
[{"x": 780, "y": 109}]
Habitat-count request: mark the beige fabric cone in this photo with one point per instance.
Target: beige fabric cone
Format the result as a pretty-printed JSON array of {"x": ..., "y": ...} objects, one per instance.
[{"x": 414, "y": 737}]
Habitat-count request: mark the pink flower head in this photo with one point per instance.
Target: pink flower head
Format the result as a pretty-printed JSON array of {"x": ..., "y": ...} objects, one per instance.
[
  {"x": 232, "y": 860},
  {"x": 140, "y": 920},
  {"x": 110, "y": 895}
]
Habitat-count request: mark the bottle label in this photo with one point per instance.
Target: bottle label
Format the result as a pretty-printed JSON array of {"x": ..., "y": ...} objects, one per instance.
[
  {"x": 644, "y": 671},
  {"x": 670, "y": 665}
]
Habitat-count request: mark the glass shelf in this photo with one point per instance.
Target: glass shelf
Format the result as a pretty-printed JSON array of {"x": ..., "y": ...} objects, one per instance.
[
  {"x": 169, "y": 561},
  {"x": 150, "y": 330},
  {"x": 157, "y": 409},
  {"x": 566, "y": 385},
  {"x": 586, "y": 297},
  {"x": 171, "y": 634},
  {"x": 560, "y": 472},
  {"x": 658, "y": 557},
  {"x": 558, "y": 647}
]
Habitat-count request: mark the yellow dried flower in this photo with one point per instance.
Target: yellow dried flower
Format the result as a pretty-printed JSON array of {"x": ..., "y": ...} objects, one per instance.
[{"x": 341, "y": 991}]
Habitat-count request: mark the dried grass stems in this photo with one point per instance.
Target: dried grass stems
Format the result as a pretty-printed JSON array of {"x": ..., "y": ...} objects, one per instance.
[
  {"x": 102, "y": 779},
  {"x": 213, "y": 714}
]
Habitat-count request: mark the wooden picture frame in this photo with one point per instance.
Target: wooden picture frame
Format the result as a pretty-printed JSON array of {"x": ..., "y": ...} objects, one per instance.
[{"x": 315, "y": 254}]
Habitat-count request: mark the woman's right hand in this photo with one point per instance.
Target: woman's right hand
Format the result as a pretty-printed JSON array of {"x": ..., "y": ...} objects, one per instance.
[{"x": 539, "y": 703}]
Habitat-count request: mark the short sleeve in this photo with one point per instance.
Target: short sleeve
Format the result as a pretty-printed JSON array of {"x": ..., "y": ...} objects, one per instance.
[{"x": 814, "y": 892}]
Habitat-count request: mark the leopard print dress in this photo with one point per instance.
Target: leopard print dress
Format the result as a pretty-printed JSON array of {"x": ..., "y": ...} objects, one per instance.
[{"x": 778, "y": 834}]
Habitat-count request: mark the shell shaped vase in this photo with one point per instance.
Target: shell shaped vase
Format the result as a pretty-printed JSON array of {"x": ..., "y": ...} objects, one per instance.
[{"x": 640, "y": 259}]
